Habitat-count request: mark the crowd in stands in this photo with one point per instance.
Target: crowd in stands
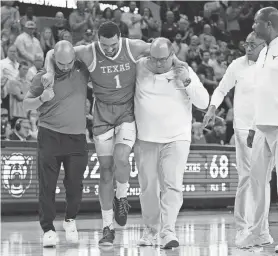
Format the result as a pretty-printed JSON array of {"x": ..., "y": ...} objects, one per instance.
[{"x": 208, "y": 43}]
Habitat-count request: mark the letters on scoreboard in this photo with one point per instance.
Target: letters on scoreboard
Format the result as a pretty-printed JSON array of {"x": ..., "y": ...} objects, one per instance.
[{"x": 208, "y": 173}]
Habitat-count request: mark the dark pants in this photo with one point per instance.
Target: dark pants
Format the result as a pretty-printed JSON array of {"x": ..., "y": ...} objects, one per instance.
[{"x": 54, "y": 149}]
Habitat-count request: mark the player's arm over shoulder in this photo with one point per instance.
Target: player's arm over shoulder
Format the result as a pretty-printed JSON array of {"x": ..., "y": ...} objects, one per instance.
[
  {"x": 139, "y": 48},
  {"x": 84, "y": 53}
]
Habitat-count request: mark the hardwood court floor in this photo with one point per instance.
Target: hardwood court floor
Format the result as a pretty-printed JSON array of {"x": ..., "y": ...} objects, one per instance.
[{"x": 201, "y": 233}]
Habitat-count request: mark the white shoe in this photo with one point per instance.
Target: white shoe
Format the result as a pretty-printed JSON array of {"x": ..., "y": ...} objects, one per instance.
[
  {"x": 276, "y": 248},
  {"x": 170, "y": 241},
  {"x": 264, "y": 239},
  {"x": 49, "y": 238},
  {"x": 241, "y": 235},
  {"x": 71, "y": 231},
  {"x": 149, "y": 237},
  {"x": 255, "y": 240}
]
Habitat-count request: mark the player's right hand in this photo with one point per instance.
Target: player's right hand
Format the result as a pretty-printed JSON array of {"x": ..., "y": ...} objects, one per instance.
[
  {"x": 250, "y": 138},
  {"x": 210, "y": 115},
  {"x": 48, "y": 94},
  {"x": 47, "y": 80}
]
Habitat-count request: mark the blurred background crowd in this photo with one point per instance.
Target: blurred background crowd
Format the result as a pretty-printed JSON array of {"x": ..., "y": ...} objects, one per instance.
[{"x": 207, "y": 35}]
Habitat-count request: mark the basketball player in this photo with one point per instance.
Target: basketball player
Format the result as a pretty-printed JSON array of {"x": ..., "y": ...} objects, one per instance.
[
  {"x": 241, "y": 75},
  {"x": 163, "y": 113},
  {"x": 112, "y": 65},
  {"x": 265, "y": 122},
  {"x": 61, "y": 138}
]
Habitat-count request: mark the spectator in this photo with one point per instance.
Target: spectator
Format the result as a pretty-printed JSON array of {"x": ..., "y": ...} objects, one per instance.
[
  {"x": 33, "y": 117},
  {"x": 233, "y": 13},
  {"x": 5, "y": 125},
  {"x": 194, "y": 66},
  {"x": 246, "y": 18},
  {"x": 28, "y": 17},
  {"x": 133, "y": 22},
  {"x": 47, "y": 40},
  {"x": 66, "y": 35},
  {"x": 38, "y": 64},
  {"x": 94, "y": 9},
  {"x": 206, "y": 45},
  {"x": 27, "y": 45},
  {"x": 197, "y": 134},
  {"x": 7, "y": 39},
  {"x": 60, "y": 25},
  {"x": 88, "y": 38},
  {"x": 220, "y": 32},
  {"x": 180, "y": 48},
  {"x": 218, "y": 66},
  {"x": 9, "y": 66},
  {"x": 17, "y": 89},
  {"x": 4, "y": 43},
  {"x": 80, "y": 21},
  {"x": 185, "y": 30},
  {"x": 10, "y": 17},
  {"x": 194, "y": 51},
  {"x": 21, "y": 130},
  {"x": 117, "y": 15},
  {"x": 206, "y": 73},
  {"x": 9, "y": 71},
  {"x": 148, "y": 25},
  {"x": 169, "y": 28},
  {"x": 207, "y": 33},
  {"x": 217, "y": 135},
  {"x": 107, "y": 15}
]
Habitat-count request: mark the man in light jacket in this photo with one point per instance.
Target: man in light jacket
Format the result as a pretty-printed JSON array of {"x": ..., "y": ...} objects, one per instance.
[{"x": 163, "y": 105}]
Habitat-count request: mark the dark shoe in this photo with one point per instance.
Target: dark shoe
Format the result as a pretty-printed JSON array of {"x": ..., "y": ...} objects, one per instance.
[
  {"x": 121, "y": 208},
  {"x": 171, "y": 244},
  {"x": 108, "y": 237}
]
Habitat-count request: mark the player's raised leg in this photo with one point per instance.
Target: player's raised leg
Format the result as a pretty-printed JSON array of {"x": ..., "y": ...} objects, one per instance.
[
  {"x": 104, "y": 147},
  {"x": 125, "y": 139}
]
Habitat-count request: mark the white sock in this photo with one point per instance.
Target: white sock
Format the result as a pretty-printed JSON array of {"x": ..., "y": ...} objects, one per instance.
[
  {"x": 121, "y": 190},
  {"x": 107, "y": 218}
]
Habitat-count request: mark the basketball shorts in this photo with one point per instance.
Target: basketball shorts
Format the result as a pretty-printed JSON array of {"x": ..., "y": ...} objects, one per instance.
[{"x": 113, "y": 124}]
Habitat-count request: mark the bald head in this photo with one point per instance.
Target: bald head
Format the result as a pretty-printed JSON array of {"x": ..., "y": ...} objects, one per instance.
[
  {"x": 64, "y": 55},
  {"x": 161, "y": 55},
  {"x": 162, "y": 46},
  {"x": 266, "y": 23}
]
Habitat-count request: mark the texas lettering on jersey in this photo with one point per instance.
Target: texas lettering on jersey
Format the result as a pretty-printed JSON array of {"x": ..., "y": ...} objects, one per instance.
[
  {"x": 113, "y": 79},
  {"x": 115, "y": 68}
]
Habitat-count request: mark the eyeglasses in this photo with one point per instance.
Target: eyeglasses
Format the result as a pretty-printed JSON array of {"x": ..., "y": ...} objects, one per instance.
[
  {"x": 251, "y": 45},
  {"x": 161, "y": 60}
]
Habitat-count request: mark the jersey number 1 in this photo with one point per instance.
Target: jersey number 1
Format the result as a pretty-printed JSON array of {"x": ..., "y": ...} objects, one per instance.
[{"x": 117, "y": 78}]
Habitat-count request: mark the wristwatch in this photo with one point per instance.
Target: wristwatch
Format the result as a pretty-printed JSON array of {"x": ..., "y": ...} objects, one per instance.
[{"x": 187, "y": 82}]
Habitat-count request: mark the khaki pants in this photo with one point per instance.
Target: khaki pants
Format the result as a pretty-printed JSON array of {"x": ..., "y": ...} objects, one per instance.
[
  {"x": 160, "y": 173},
  {"x": 242, "y": 208},
  {"x": 264, "y": 156}
]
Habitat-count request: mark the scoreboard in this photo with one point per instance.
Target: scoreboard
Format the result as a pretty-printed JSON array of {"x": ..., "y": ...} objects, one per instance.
[{"x": 210, "y": 172}]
